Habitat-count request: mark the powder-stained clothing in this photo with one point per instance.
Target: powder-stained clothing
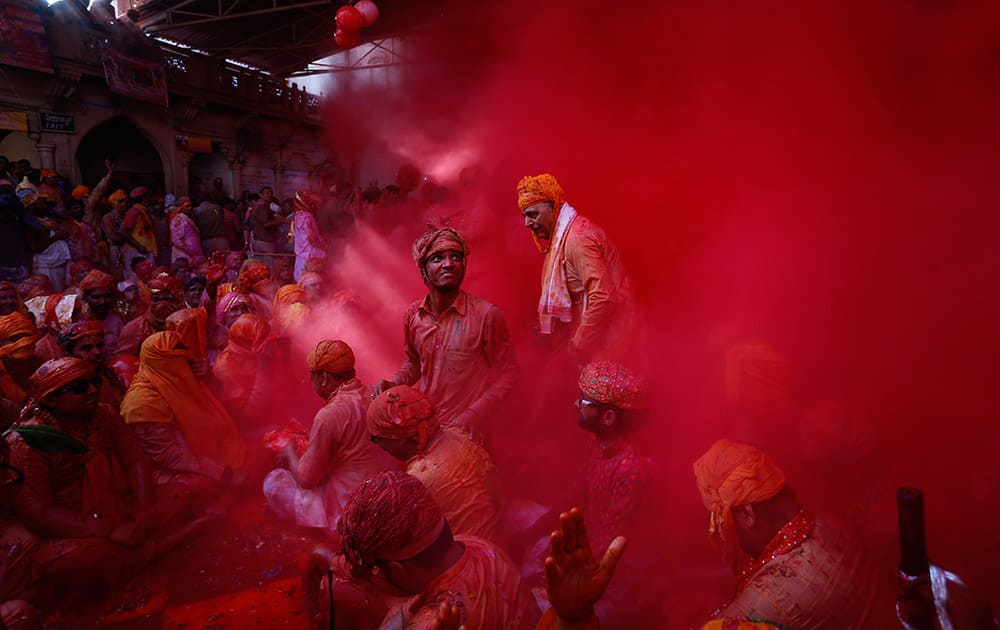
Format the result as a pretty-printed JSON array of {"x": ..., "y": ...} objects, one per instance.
[
  {"x": 140, "y": 226},
  {"x": 461, "y": 478},
  {"x": 484, "y": 584},
  {"x": 463, "y": 360},
  {"x": 827, "y": 582},
  {"x": 308, "y": 241},
  {"x": 113, "y": 325},
  {"x": 184, "y": 237},
  {"x": 604, "y": 308},
  {"x": 339, "y": 457},
  {"x": 63, "y": 491},
  {"x": 616, "y": 485}
]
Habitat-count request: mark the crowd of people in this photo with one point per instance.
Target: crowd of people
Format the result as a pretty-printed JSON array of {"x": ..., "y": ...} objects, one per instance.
[{"x": 150, "y": 368}]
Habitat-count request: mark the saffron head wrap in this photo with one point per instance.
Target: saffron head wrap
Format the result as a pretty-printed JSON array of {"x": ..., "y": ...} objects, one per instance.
[
  {"x": 433, "y": 241},
  {"x": 73, "y": 333},
  {"x": 96, "y": 279},
  {"x": 250, "y": 332},
  {"x": 80, "y": 192},
  {"x": 18, "y": 323},
  {"x": 57, "y": 373},
  {"x": 252, "y": 276},
  {"x": 331, "y": 356},
  {"x": 389, "y": 517},
  {"x": 402, "y": 412},
  {"x": 138, "y": 192},
  {"x": 539, "y": 189},
  {"x": 732, "y": 474},
  {"x": 190, "y": 324},
  {"x": 118, "y": 195},
  {"x": 614, "y": 384}
]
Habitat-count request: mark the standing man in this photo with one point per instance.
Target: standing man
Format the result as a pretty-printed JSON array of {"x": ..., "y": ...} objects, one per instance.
[
  {"x": 264, "y": 226},
  {"x": 587, "y": 301},
  {"x": 309, "y": 242},
  {"x": 458, "y": 350},
  {"x": 137, "y": 230}
]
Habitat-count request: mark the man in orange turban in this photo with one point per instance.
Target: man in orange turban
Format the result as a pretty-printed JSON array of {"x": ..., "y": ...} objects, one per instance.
[
  {"x": 95, "y": 511},
  {"x": 783, "y": 556},
  {"x": 85, "y": 340},
  {"x": 18, "y": 339},
  {"x": 97, "y": 289},
  {"x": 458, "y": 350},
  {"x": 458, "y": 472},
  {"x": 312, "y": 489},
  {"x": 587, "y": 300},
  {"x": 393, "y": 523}
]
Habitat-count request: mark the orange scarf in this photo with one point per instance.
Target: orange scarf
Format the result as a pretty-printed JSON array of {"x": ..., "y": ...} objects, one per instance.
[{"x": 166, "y": 384}]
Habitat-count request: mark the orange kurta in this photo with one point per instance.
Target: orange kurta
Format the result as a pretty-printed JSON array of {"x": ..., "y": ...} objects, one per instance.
[{"x": 461, "y": 477}]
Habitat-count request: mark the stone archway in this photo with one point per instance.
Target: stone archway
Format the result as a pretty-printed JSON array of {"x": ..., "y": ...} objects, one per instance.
[{"x": 137, "y": 160}]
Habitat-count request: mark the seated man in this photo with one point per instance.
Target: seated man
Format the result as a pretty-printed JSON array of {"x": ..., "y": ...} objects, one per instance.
[
  {"x": 177, "y": 421},
  {"x": 457, "y": 472},
  {"x": 85, "y": 340},
  {"x": 18, "y": 339},
  {"x": 392, "y": 523},
  {"x": 250, "y": 372},
  {"x": 313, "y": 489},
  {"x": 792, "y": 568},
  {"x": 458, "y": 350},
  {"x": 98, "y": 292},
  {"x": 96, "y": 511},
  {"x": 166, "y": 296}
]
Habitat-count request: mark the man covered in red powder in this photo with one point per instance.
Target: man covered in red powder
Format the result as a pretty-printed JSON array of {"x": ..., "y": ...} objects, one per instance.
[
  {"x": 312, "y": 489},
  {"x": 97, "y": 513},
  {"x": 392, "y": 523},
  {"x": 587, "y": 301},
  {"x": 458, "y": 350},
  {"x": 85, "y": 340},
  {"x": 792, "y": 568},
  {"x": 458, "y": 472},
  {"x": 98, "y": 292}
]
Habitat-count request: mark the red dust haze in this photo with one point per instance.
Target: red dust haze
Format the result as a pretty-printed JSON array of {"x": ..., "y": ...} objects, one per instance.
[{"x": 819, "y": 175}]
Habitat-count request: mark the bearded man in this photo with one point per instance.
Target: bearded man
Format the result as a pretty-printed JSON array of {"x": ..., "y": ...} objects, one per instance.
[
  {"x": 98, "y": 292},
  {"x": 587, "y": 304},
  {"x": 458, "y": 350},
  {"x": 792, "y": 567}
]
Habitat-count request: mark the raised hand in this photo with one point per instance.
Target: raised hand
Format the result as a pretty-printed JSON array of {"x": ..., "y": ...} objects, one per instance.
[{"x": 574, "y": 579}]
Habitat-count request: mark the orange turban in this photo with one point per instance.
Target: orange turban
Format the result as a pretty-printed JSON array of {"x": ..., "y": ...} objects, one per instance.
[
  {"x": 80, "y": 192},
  {"x": 252, "y": 276},
  {"x": 73, "y": 333},
  {"x": 732, "y": 474},
  {"x": 388, "y": 517},
  {"x": 48, "y": 172},
  {"x": 118, "y": 195},
  {"x": 58, "y": 373},
  {"x": 402, "y": 412},
  {"x": 613, "y": 384},
  {"x": 539, "y": 189},
  {"x": 250, "y": 332},
  {"x": 96, "y": 279},
  {"x": 331, "y": 356},
  {"x": 15, "y": 324},
  {"x": 434, "y": 241},
  {"x": 289, "y": 294}
]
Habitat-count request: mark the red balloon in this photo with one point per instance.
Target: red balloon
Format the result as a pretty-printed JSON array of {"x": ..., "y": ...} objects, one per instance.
[
  {"x": 348, "y": 19},
  {"x": 368, "y": 11},
  {"x": 346, "y": 39}
]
